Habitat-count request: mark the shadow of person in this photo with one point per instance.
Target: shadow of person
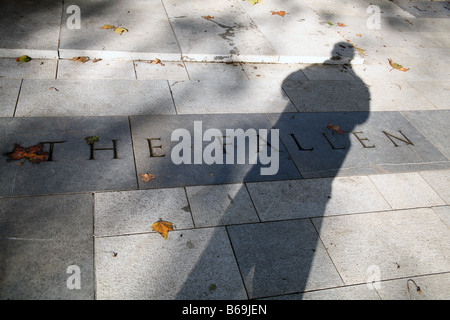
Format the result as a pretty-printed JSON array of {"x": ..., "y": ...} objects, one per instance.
[{"x": 282, "y": 253}]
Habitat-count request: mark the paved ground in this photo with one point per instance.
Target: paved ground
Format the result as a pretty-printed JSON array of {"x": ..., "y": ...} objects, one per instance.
[{"x": 361, "y": 213}]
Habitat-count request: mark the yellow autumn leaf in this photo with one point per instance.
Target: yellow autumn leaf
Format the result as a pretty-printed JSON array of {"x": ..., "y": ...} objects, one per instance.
[
  {"x": 397, "y": 66},
  {"x": 107, "y": 26},
  {"x": 162, "y": 227},
  {"x": 253, "y": 2},
  {"x": 120, "y": 30}
]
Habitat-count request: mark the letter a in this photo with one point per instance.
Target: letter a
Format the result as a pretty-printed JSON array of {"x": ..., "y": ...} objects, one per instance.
[
  {"x": 74, "y": 21},
  {"x": 183, "y": 147},
  {"x": 373, "y": 22},
  {"x": 74, "y": 281}
]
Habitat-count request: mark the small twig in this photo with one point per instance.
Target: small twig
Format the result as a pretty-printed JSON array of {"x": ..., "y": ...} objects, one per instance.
[{"x": 417, "y": 287}]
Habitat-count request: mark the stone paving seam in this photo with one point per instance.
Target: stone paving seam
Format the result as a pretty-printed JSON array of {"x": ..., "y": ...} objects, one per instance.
[
  {"x": 237, "y": 262},
  {"x": 18, "y": 96}
]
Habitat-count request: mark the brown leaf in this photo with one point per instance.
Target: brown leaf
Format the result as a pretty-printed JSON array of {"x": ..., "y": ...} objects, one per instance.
[
  {"x": 80, "y": 59},
  {"x": 33, "y": 153},
  {"x": 180, "y": 65},
  {"x": 156, "y": 61},
  {"x": 96, "y": 60},
  {"x": 336, "y": 128},
  {"x": 146, "y": 177},
  {"x": 208, "y": 17},
  {"x": 162, "y": 227},
  {"x": 280, "y": 13},
  {"x": 341, "y": 24}
]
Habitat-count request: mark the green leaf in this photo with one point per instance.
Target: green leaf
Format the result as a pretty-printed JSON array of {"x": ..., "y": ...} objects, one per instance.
[
  {"x": 212, "y": 287},
  {"x": 331, "y": 24},
  {"x": 92, "y": 139},
  {"x": 24, "y": 58}
]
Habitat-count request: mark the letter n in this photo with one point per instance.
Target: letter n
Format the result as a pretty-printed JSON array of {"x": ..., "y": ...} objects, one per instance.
[{"x": 406, "y": 140}]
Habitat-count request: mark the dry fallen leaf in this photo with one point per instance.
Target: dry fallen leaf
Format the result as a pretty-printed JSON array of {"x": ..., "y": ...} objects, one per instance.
[
  {"x": 80, "y": 59},
  {"x": 336, "y": 128},
  {"x": 33, "y": 153},
  {"x": 180, "y": 65},
  {"x": 162, "y": 227},
  {"x": 146, "y": 177},
  {"x": 120, "y": 30},
  {"x": 208, "y": 17},
  {"x": 107, "y": 26},
  {"x": 397, "y": 66},
  {"x": 96, "y": 60},
  {"x": 92, "y": 139},
  {"x": 156, "y": 61},
  {"x": 280, "y": 13},
  {"x": 253, "y": 2},
  {"x": 23, "y": 58},
  {"x": 341, "y": 24},
  {"x": 359, "y": 35}
]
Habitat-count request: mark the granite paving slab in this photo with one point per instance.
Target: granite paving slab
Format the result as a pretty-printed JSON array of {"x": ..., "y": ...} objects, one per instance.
[
  {"x": 439, "y": 181},
  {"x": 396, "y": 96},
  {"x": 238, "y": 96},
  {"x": 94, "y": 69},
  {"x": 300, "y": 36},
  {"x": 128, "y": 212},
  {"x": 376, "y": 142},
  {"x": 327, "y": 95},
  {"x": 406, "y": 190},
  {"x": 433, "y": 62},
  {"x": 30, "y": 28},
  {"x": 432, "y": 287},
  {"x": 221, "y": 205},
  {"x": 157, "y": 154},
  {"x": 433, "y": 125},
  {"x": 279, "y": 200},
  {"x": 357, "y": 292},
  {"x": 437, "y": 92},
  {"x": 282, "y": 257},
  {"x": 273, "y": 71},
  {"x": 95, "y": 97},
  {"x": 214, "y": 71},
  {"x": 34, "y": 69},
  {"x": 9, "y": 90},
  {"x": 72, "y": 165},
  {"x": 443, "y": 213},
  {"x": 440, "y": 38},
  {"x": 390, "y": 244},
  {"x": 326, "y": 72},
  {"x": 423, "y": 9},
  {"x": 149, "y": 31},
  {"x": 190, "y": 264},
  {"x": 47, "y": 248},
  {"x": 168, "y": 71},
  {"x": 228, "y": 35}
]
